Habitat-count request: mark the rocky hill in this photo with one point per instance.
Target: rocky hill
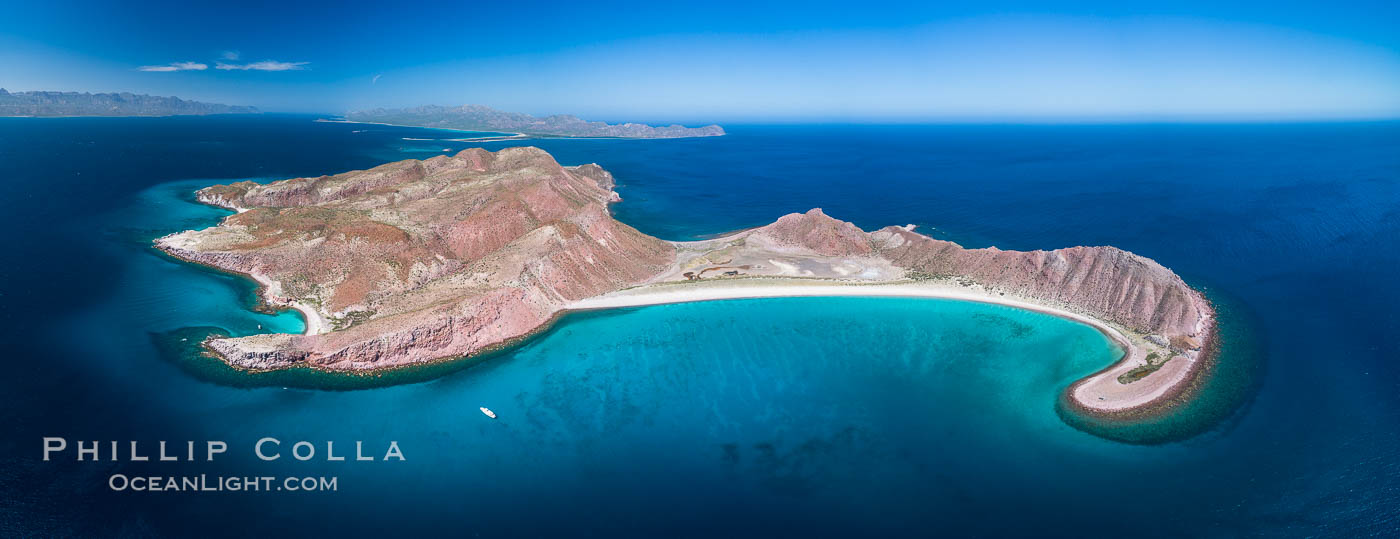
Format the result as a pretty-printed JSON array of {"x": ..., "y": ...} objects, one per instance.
[
  {"x": 1105, "y": 282},
  {"x": 420, "y": 260}
]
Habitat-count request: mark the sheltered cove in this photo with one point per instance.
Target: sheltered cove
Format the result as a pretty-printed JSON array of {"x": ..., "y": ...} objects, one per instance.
[{"x": 420, "y": 262}]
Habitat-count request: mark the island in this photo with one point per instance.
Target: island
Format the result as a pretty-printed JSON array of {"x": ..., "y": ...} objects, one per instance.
[
  {"x": 415, "y": 262},
  {"x": 483, "y": 118},
  {"x": 57, "y": 104}
]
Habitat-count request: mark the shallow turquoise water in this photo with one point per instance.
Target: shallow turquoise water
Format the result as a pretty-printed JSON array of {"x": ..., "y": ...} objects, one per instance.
[{"x": 163, "y": 295}]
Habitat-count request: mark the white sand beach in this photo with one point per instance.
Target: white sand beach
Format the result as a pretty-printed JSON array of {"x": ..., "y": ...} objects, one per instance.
[
  {"x": 1101, "y": 391},
  {"x": 272, "y": 293}
]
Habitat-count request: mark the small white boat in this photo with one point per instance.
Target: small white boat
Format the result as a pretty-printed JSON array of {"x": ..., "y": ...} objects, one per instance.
[{"x": 488, "y": 412}]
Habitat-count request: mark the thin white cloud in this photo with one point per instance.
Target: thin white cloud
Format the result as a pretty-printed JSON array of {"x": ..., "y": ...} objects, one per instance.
[
  {"x": 230, "y": 55},
  {"x": 265, "y": 65},
  {"x": 176, "y": 66},
  {"x": 375, "y": 80}
]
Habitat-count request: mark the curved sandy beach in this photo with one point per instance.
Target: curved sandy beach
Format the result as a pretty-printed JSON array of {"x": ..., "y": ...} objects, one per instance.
[
  {"x": 316, "y": 323},
  {"x": 1100, "y": 392}
]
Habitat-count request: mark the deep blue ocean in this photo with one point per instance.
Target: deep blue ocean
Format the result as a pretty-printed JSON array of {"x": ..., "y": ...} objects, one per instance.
[{"x": 779, "y": 417}]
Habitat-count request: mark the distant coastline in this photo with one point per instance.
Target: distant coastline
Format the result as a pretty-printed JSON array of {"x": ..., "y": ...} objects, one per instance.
[
  {"x": 40, "y": 104},
  {"x": 483, "y": 118},
  {"x": 504, "y": 136}
]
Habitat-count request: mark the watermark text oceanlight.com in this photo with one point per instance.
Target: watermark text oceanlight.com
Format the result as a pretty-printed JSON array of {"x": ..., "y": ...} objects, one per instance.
[{"x": 204, "y": 483}]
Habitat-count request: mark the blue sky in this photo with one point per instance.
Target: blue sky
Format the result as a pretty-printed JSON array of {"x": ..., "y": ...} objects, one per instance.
[{"x": 731, "y": 61}]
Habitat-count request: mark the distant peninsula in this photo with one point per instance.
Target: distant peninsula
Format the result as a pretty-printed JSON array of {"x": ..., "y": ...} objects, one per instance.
[
  {"x": 482, "y": 118},
  {"x": 416, "y": 262},
  {"x": 52, "y": 104}
]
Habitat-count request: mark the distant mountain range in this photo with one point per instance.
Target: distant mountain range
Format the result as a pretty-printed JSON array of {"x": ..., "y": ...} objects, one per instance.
[
  {"x": 112, "y": 104},
  {"x": 483, "y": 118}
]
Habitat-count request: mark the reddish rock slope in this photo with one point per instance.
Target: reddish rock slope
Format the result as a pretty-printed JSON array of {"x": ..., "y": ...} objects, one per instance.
[
  {"x": 1105, "y": 282},
  {"x": 420, "y": 260}
]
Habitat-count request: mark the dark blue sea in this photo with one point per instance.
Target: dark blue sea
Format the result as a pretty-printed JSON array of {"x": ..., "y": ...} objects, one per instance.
[{"x": 780, "y": 417}]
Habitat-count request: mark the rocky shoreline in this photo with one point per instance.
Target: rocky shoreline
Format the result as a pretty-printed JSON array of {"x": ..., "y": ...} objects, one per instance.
[{"x": 418, "y": 262}]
